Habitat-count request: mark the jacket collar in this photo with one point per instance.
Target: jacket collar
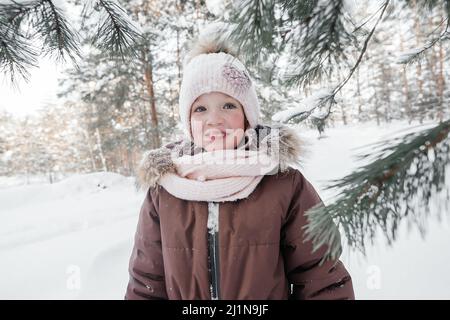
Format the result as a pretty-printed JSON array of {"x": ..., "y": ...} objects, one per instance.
[{"x": 157, "y": 162}]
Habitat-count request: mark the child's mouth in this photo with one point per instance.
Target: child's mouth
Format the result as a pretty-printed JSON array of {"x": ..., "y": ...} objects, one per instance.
[{"x": 216, "y": 135}]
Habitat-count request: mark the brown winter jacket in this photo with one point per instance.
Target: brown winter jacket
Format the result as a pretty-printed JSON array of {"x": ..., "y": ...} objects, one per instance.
[{"x": 258, "y": 253}]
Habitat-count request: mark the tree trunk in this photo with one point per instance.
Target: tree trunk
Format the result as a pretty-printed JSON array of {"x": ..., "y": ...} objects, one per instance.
[
  {"x": 344, "y": 116},
  {"x": 358, "y": 93},
  {"x": 179, "y": 63},
  {"x": 148, "y": 75},
  {"x": 386, "y": 82},
  {"x": 418, "y": 39},
  {"x": 91, "y": 151},
  {"x": 100, "y": 148},
  {"x": 406, "y": 86},
  {"x": 178, "y": 50},
  {"x": 441, "y": 83}
]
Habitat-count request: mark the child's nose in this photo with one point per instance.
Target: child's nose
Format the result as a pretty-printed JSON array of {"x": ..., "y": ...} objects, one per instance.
[{"x": 215, "y": 118}]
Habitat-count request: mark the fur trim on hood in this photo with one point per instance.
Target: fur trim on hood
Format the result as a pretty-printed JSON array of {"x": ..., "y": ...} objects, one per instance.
[{"x": 157, "y": 162}]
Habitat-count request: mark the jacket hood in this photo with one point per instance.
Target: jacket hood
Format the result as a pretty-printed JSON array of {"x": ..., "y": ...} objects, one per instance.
[{"x": 158, "y": 162}]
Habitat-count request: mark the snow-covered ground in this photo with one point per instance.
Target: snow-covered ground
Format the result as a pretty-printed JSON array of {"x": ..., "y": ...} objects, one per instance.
[
  {"x": 73, "y": 239},
  {"x": 69, "y": 240}
]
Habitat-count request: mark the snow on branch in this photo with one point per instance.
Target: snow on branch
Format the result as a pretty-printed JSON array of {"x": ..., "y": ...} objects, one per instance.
[
  {"x": 312, "y": 105},
  {"x": 414, "y": 55}
]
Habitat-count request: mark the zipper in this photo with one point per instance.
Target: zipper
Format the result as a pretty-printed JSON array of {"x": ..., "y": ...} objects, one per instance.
[{"x": 213, "y": 250}]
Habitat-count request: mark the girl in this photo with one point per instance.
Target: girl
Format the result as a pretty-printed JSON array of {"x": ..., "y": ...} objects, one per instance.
[{"x": 225, "y": 209}]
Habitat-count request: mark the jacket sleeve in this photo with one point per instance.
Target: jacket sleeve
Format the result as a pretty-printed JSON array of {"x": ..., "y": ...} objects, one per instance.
[
  {"x": 146, "y": 267},
  {"x": 309, "y": 280}
]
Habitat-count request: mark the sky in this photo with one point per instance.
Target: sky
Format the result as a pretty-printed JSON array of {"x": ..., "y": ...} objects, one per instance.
[
  {"x": 43, "y": 81},
  {"x": 30, "y": 96}
]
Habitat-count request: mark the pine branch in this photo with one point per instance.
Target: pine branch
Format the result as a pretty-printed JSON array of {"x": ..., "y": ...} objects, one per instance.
[
  {"x": 315, "y": 30},
  {"x": 117, "y": 34},
  {"x": 416, "y": 55},
  {"x": 251, "y": 27},
  {"x": 16, "y": 55},
  {"x": 330, "y": 100},
  {"x": 15, "y": 12},
  {"x": 397, "y": 186},
  {"x": 50, "y": 23},
  {"x": 429, "y": 5},
  {"x": 363, "y": 50},
  {"x": 317, "y": 106},
  {"x": 360, "y": 27},
  {"x": 319, "y": 48}
]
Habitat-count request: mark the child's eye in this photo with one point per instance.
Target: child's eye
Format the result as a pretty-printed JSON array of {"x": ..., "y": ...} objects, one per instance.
[
  {"x": 199, "y": 108},
  {"x": 230, "y": 105}
]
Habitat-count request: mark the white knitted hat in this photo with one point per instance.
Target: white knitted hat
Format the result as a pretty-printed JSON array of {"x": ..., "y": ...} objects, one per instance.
[{"x": 208, "y": 67}]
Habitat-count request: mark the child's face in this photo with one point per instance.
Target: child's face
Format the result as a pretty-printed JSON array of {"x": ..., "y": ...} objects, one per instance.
[{"x": 217, "y": 121}]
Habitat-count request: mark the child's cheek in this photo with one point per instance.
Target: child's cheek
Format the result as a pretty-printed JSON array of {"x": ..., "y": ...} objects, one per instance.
[
  {"x": 236, "y": 126},
  {"x": 236, "y": 120},
  {"x": 234, "y": 138},
  {"x": 197, "y": 130}
]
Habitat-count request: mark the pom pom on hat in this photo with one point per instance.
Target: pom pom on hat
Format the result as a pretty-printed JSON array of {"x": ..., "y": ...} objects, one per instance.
[{"x": 207, "y": 43}]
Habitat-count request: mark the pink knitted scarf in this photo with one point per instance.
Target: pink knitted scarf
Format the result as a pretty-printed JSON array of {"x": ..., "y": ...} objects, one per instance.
[
  {"x": 221, "y": 175},
  {"x": 189, "y": 172}
]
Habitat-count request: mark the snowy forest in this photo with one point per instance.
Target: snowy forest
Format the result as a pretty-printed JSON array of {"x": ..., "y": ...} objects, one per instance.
[
  {"x": 366, "y": 83},
  {"x": 111, "y": 110}
]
